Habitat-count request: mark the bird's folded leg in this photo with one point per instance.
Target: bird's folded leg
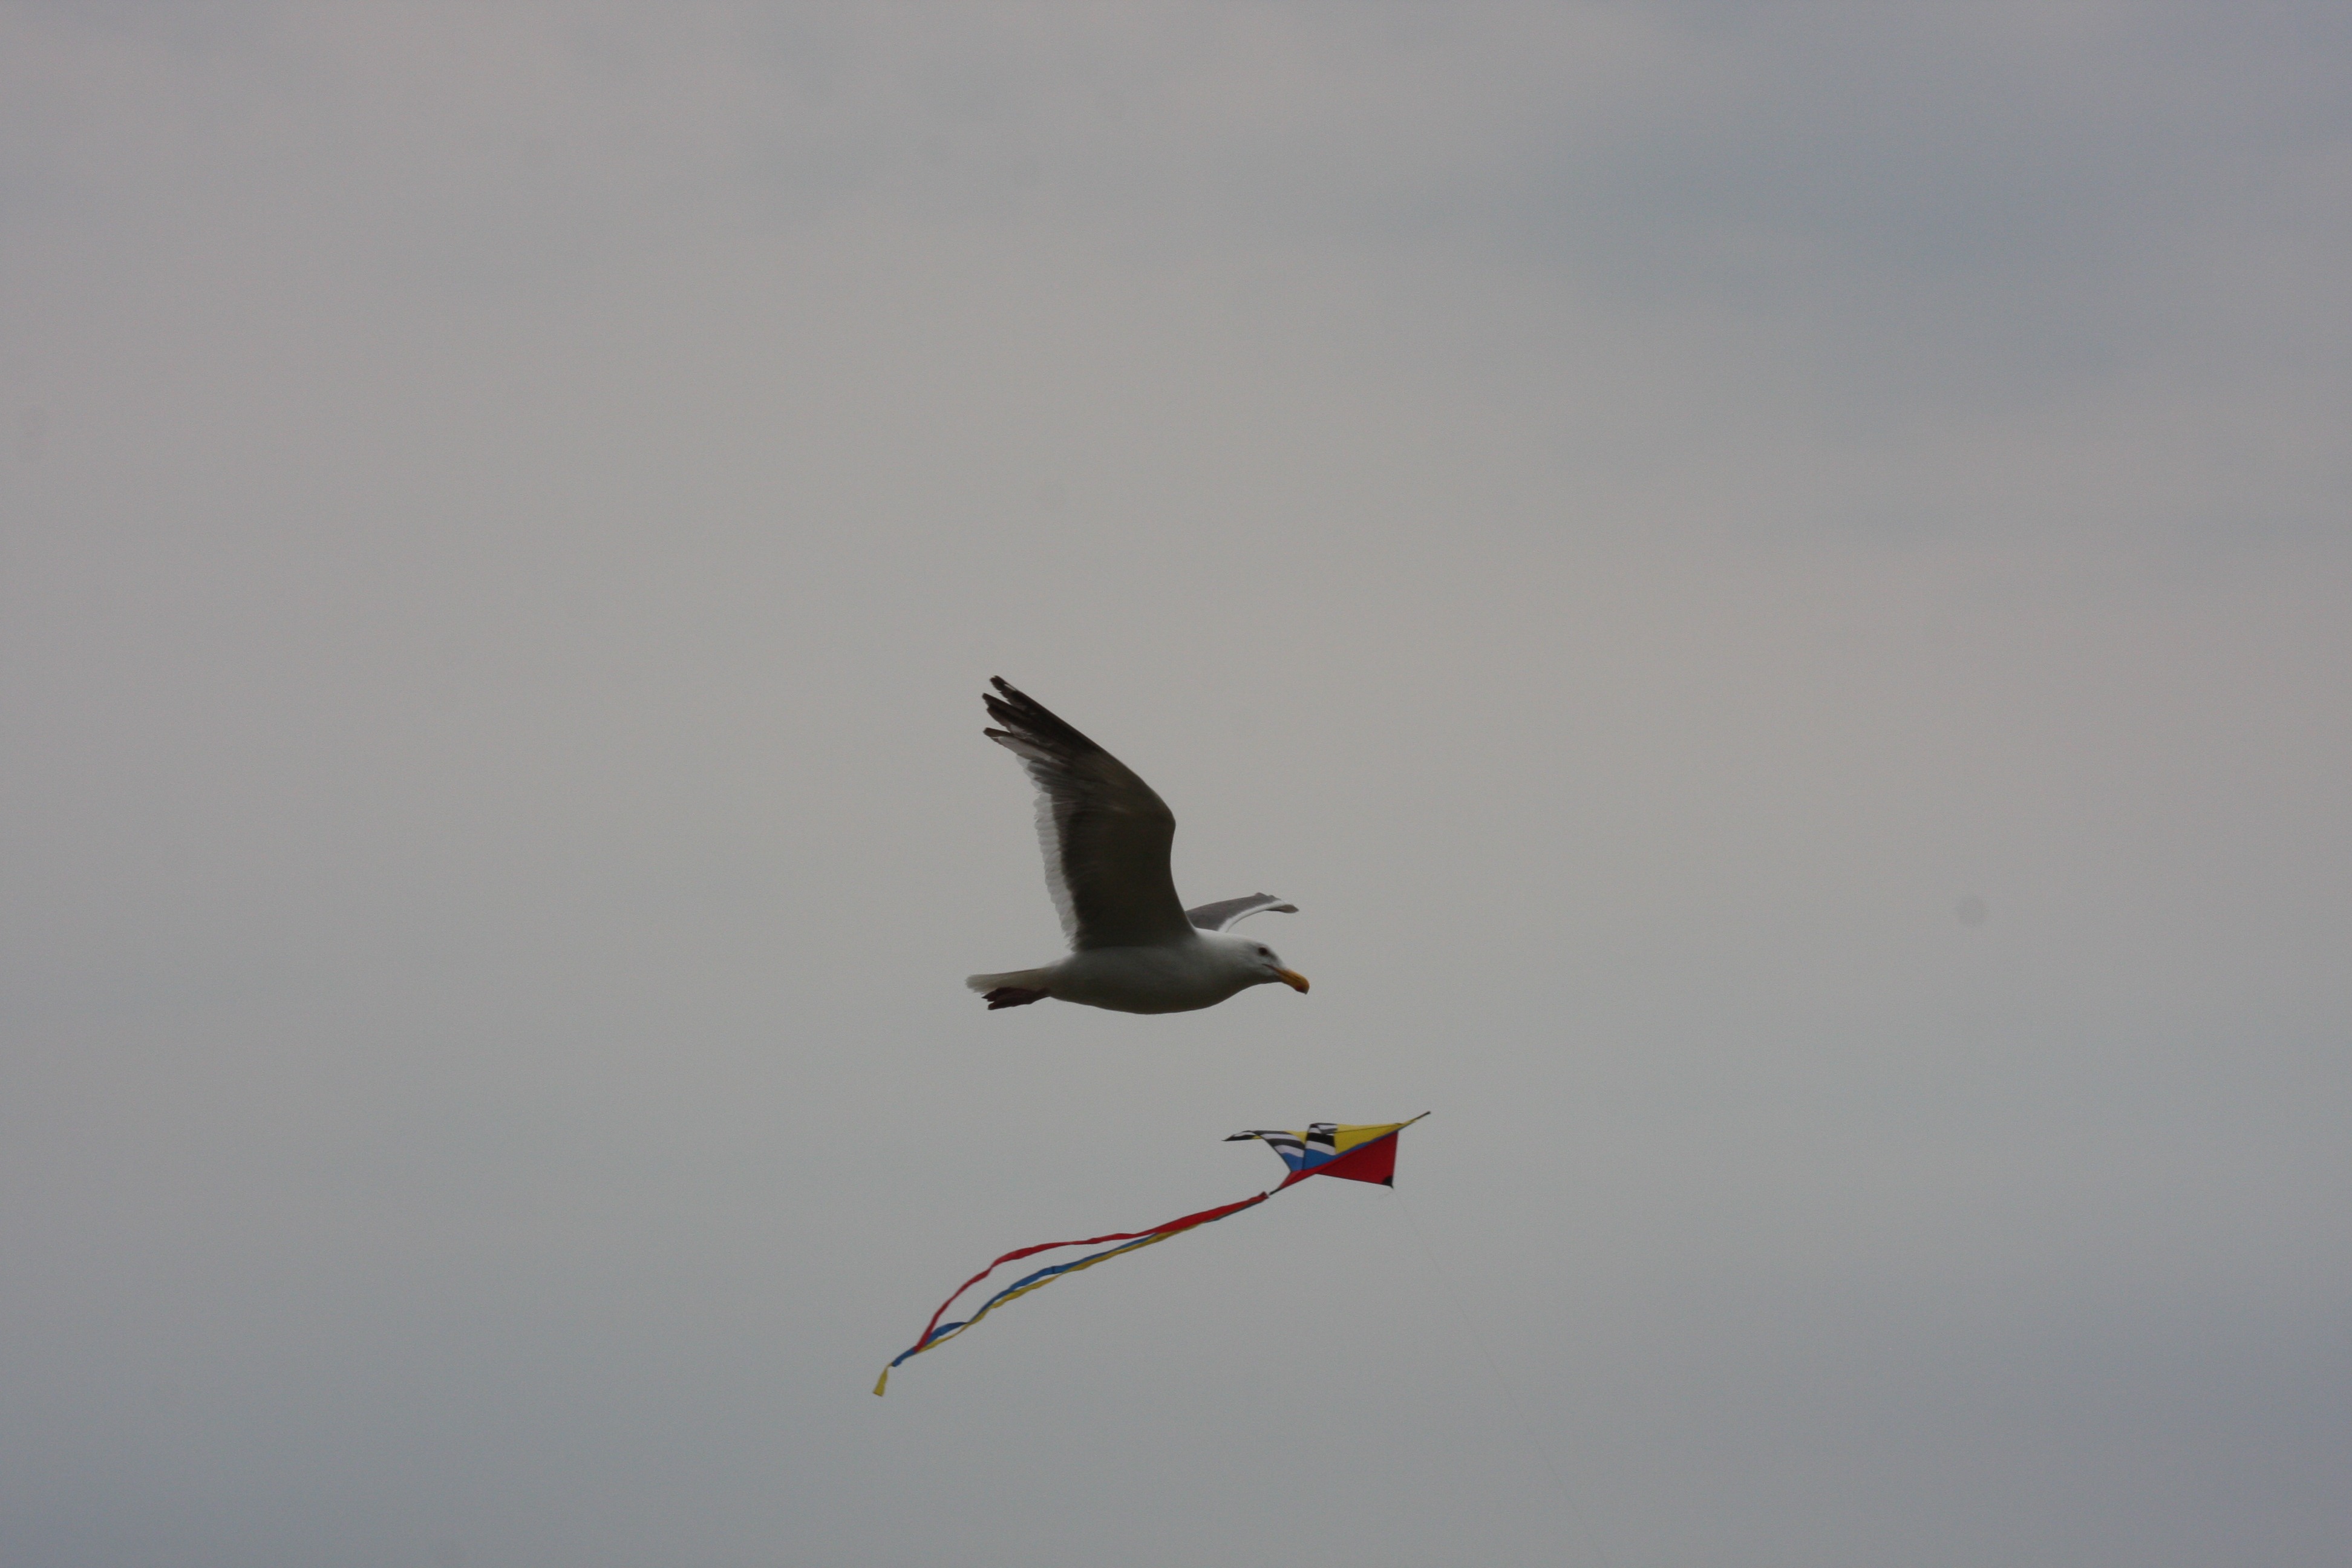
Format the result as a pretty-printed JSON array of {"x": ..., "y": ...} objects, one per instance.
[{"x": 1012, "y": 997}]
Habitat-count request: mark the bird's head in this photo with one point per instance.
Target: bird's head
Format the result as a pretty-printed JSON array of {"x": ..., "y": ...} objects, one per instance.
[{"x": 1265, "y": 968}]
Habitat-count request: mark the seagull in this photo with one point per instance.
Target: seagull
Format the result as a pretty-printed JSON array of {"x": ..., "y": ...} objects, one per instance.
[{"x": 1133, "y": 948}]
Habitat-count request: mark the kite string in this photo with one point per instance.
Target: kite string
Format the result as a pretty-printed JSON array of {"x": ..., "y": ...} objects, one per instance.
[{"x": 1510, "y": 1394}]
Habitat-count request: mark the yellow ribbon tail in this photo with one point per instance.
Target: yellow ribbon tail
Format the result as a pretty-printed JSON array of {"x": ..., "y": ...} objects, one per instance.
[{"x": 881, "y": 1383}]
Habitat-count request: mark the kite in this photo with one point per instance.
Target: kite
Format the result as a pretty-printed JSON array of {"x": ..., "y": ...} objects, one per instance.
[{"x": 1352, "y": 1153}]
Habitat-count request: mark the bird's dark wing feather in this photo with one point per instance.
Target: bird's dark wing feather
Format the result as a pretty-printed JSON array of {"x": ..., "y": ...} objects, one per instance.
[
  {"x": 1105, "y": 833},
  {"x": 1220, "y": 915}
]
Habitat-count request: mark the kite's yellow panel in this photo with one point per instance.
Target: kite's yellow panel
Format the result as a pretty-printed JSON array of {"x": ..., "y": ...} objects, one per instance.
[{"x": 1344, "y": 1137}]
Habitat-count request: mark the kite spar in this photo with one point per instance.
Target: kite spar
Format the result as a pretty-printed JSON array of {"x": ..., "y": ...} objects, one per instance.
[{"x": 1352, "y": 1152}]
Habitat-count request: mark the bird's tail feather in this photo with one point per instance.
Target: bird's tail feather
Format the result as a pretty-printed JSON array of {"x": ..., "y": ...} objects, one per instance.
[{"x": 1019, "y": 979}]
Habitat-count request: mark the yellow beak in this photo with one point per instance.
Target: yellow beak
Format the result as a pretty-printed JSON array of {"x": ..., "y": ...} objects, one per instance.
[{"x": 1292, "y": 978}]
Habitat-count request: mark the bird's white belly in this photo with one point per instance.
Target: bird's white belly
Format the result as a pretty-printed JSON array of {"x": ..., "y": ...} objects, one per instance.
[{"x": 1145, "y": 979}]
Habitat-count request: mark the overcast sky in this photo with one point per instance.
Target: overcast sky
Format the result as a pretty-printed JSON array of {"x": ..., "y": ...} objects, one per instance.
[{"x": 1773, "y": 581}]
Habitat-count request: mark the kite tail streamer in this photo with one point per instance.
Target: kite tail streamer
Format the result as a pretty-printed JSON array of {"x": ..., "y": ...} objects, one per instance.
[{"x": 936, "y": 1332}]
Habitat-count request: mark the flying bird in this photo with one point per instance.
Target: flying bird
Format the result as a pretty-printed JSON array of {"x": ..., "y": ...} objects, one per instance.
[{"x": 1133, "y": 948}]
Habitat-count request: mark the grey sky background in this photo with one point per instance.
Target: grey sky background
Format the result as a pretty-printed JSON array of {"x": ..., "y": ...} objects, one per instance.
[{"x": 1773, "y": 581}]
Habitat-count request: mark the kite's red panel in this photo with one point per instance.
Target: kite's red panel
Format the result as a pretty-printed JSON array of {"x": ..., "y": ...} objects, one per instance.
[{"x": 1374, "y": 1162}]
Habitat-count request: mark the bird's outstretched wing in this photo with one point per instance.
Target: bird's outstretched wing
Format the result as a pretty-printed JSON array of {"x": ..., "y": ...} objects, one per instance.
[
  {"x": 1223, "y": 914},
  {"x": 1104, "y": 832}
]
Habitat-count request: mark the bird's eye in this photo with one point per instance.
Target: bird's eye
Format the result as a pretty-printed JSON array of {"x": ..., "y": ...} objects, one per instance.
[{"x": 1265, "y": 953}]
